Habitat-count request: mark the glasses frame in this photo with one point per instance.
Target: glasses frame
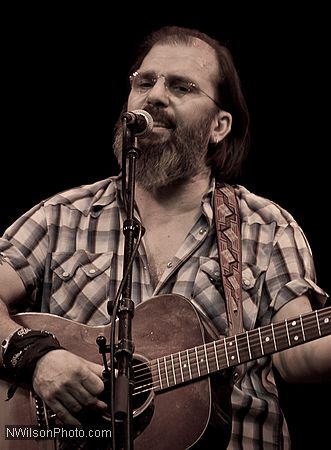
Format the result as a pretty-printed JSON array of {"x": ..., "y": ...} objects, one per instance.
[{"x": 191, "y": 85}]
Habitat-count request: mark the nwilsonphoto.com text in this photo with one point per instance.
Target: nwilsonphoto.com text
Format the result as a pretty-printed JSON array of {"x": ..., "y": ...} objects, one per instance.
[{"x": 24, "y": 432}]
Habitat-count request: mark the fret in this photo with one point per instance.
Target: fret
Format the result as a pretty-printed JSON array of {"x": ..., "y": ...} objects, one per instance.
[
  {"x": 221, "y": 358},
  {"x": 202, "y": 361},
  {"x": 177, "y": 369},
  {"x": 318, "y": 324},
  {"x": 166, "y": 370},
  {"x": 243, "y": 347},
  {"x": 268, "y": 341},
  {"x": 231, "y": 352},
  {"x": 310, "y": 325},
  {"x": 159, "y": 373},
  {"x": 302, "y": 328},
  {"x": 226, "y": 353},
  {"x": 181, "y": 368},
  {"x": 188, "y": 364},
  {"x": 237, "y": 350},
  {"x": 254, "y": 344},
  {"x": 295, "y": 332},
  {"x": 259, "y": 331},
  {"x": 248, "y": 345},
  {"x": 155, "y": 382},
  {"x": 273, "y": 336},
  {"x": 197, "y": 360},
  {"x": 281, "y": 335},
  {"x": 212, "y": 360},
  {"x": 173, "y": 369},
  {"x": 206, "y": 358},
  {"x": 216, "y": 358},
  {"x": 322, "y": 321},
  {"x": 192, "y": 361},
  {"x": 162, "y": 373},
  {"x": 287, "y": 333}
]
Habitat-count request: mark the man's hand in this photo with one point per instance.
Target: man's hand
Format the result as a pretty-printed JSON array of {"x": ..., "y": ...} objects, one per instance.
[{"x": 69, "y": 385}]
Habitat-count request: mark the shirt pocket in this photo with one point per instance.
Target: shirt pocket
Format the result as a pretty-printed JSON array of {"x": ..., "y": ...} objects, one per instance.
[
  {"x": 208, "y": 292},
  {"x": 252, "y": 283},
  {"x": 80, "y": 285}
]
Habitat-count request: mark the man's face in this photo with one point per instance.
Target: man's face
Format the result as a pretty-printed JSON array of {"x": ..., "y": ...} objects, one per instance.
[{"x": 175, "y": 150}]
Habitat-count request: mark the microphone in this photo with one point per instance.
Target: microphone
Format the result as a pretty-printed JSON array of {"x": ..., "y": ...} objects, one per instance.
[{"x": 139, "y": 121}]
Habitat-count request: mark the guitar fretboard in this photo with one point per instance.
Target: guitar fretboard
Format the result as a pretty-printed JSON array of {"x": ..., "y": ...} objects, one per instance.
[{"x": 213, "y": 356}]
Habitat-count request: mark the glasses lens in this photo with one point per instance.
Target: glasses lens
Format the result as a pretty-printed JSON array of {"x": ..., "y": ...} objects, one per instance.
[
  {"x": 179, "y": 87},
  {"x": 142, "y": 82}
]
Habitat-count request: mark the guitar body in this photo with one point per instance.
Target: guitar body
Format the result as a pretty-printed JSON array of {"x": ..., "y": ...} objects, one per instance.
[
  {"x": 182, "y": 382},
  {"x": 176, "y": 419}
]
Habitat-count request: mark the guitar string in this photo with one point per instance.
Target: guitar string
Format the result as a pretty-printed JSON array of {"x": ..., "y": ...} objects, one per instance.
[
  {"x": 254, "y": 340},
  {"x": 144, "y": 371}
]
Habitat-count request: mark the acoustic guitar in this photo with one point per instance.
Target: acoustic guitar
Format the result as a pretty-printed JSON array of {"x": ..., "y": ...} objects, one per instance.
[{"x": 173, "y": 365}]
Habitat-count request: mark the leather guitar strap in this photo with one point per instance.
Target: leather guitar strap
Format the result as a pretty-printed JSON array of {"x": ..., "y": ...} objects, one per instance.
[{"x": 227, "y": 222}]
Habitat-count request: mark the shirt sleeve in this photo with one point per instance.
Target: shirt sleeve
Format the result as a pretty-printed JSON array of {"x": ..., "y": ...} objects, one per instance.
[
  {"x": 291, "y": 272},
  {"x": 24, "y": 247}
]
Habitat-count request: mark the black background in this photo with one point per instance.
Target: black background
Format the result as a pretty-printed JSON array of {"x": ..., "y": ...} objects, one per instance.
[{"x": 64, "y": 75}]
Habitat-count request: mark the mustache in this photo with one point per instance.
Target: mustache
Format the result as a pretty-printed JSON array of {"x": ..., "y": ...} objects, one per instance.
[{"x": 161, "y": 116}]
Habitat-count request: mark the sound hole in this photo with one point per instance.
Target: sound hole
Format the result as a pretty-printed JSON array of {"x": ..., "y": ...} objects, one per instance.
[{"x": 142, "y": 397}]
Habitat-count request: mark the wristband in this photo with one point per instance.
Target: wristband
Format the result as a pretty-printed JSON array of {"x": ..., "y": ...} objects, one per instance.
[
  {"x": 22, "y": 352},
  {"x": 5, "y": 342}
]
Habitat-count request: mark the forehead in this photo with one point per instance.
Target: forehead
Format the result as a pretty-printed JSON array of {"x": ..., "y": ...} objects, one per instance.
[{"x": 195, "y": 60}]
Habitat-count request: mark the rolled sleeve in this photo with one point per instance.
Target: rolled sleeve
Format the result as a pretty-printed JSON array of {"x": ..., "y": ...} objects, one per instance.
[
  {"x": 291, "y": 272},
  {"x": 24, "y": 247}
]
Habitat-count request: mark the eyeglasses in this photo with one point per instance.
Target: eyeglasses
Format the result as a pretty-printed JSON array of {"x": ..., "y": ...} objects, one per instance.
[{"x": 179, "y": 87}]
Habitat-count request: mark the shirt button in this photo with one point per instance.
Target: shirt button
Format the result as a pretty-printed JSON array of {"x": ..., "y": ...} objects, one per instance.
[
  {"x": 202, "y": 230},
  {"x": 169, "y": 264},
  {"x": 91, "y": 271},
  {"x": 65, "y": 274}
]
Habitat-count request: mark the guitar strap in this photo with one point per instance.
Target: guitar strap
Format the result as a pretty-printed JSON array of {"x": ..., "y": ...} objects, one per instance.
[
  {"x": 227, "y": 225},
  {"x": 227, "y": 222}
]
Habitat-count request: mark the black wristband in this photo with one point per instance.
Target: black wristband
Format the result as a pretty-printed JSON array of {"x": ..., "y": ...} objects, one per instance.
[{"x": 22, "y": 353}]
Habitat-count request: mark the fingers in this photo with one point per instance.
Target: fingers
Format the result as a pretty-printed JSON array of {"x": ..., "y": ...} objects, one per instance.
[
  {"x": 86, "y": 395},
  {"x": 97, "y": 369},
  {"x": 69, "y": 385},
  {"x": 65, "y": 414},
  {"x": 68, "y": 408}
]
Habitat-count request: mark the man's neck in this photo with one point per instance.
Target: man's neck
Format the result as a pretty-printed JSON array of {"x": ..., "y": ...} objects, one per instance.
[{"x": 177, "y": 200}]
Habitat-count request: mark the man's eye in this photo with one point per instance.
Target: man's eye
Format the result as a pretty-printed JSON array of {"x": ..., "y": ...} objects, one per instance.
[
  {"x": 146, "y": 84},
  {"x": 181, "y": 88}
]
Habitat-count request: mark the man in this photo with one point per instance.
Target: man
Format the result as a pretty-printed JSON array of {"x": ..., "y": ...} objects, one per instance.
[{"x": 65, "y": 256}]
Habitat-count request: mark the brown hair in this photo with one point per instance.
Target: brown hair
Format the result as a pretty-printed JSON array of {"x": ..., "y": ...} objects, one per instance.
[{"x": 226, "y": 157}]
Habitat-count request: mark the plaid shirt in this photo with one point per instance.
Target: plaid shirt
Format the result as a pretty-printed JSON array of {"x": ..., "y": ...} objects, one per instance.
[{"x": 69, "y": 252}]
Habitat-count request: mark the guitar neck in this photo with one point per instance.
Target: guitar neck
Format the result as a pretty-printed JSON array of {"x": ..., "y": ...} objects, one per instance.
[{"x": 213, "y": 356}]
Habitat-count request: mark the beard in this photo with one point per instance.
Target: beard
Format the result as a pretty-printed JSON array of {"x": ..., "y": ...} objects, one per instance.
[{"x": 171, "y": 161}]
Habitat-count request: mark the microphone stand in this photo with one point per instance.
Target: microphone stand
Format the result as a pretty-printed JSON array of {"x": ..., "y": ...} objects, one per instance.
[{"x": 132, "y": 229}]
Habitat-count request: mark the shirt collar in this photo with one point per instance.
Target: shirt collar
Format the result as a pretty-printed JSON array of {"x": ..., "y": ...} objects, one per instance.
[
  {"x": 207, "y": 202},
  {"x": 114, "y": 191},
  {"x": 106, "y": 197}
]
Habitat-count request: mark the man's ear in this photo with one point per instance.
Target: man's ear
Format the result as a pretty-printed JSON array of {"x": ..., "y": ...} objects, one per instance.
[{"x": 221, "y": 126}]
